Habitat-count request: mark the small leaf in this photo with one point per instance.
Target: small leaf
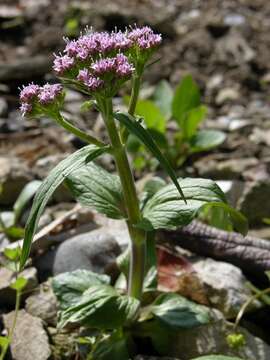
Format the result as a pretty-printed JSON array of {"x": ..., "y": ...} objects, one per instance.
[
  {"x": 70, "y": 286},
  {"x": 19, "y": 284},
  {"x": 101, "y": 307},
  {"x": 152, "y": 115},
  {"x": 193, "y": 118},
  {"x": 163, "y": 96},
  {"x": 238, "y": 220},
  {"x": 186, "y": 98},
  {"x": 47, "y": 188},
  {"x": 143, "y": 135},
  {"x": 176, "y": 312},
  {"x": 96, "y": 188},
  {"x": 166, "y": 210},
  {"x": 87, "y": 105},
  {"x": 4, "y": 341},
  {"x": 12, "y": 254},
  {"x": 217, "y": 357},
  {"x": 206, "y": 139},
  {"x": 25, "y": 196},
  {"x": 14, "y": 232},
  {"x": 110, "y": 347},
  {"x": 267, "y": 273}
]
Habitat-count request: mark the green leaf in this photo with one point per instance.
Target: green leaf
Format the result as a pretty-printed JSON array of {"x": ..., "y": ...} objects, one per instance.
[
  {"x": 14, "y": 232},
  {"x": 163, "y": 96},
  {"x": 110, "y": 347},
  {"x": 267, "y": 273},
  {"x": 13, "y": 254},
  {"x": 25, "y": 196},
  {"x": 143, "y": 135},
  {"x": 150, "y": 188},
  {"x": 95, "y": 187},
  {"x": 166, "y": 210},
  {"x": 101, "y": 307},
  {"x": 217, "y": 357},
  {"x": 47, "y": 188},
  {"x": 237, "y": 219},
  {"x": 4, "y": 341},
  {"x": 87, "y": 105},
  {"x": 176, "y": 312},
  {"x": 70, "y": 286},
  {"x": 193, "y": 118},
  {"x": 19, "y": 284},
  {"x": 186, "y": 98},
  {"x": 206, "y": 139},
  {"x": 152, "y": 115}
]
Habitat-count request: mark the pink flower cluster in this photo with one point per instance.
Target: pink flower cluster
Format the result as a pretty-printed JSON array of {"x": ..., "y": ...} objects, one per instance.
[
  {"x": 93, "y": 44},
  {"x": 92, "y": 82},
  {"x": 43, "y": 95}
]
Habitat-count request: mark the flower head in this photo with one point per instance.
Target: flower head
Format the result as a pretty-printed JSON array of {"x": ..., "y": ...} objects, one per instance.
[
  {"x": 118, "y": 65},
  {"x": 62, "y": 63},
  {"x": 25, "y": 109},
  {"x": 145, "y": 37},
  {"x": 48, "y": 93},
  {"x": 29, "y": 92},
  {"x": 93, "y": 83}
]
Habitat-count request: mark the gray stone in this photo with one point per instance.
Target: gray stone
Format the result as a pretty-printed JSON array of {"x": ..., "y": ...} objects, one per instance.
[
  {"x": 225, "y": 286},
  {"x": 3, "y": 107},
  {"x": 7, "y": 295},
  {"x": 254, "y": 202},
  {"x": 43, "y": 304},
  {"x": 95, "y": 251},
  {"x": 30, "y": 341},
  {"x": 211, "y": 339},
  {"x": 14, "y": 175}
]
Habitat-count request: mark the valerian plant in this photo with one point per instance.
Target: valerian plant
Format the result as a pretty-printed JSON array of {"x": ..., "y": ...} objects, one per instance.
[{"x": 98, "y": 64}]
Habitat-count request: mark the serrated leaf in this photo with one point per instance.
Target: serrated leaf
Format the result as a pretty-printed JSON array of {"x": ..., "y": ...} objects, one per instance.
[
  {"x": 110, "y": 347},
  {"x": 95, "y": 187},
  {"x": 70, "y": 286},
  {"x": 236, "y": 218},
  {"x": 163, "y": 96},
  {"x": 193, "y": 118},
  {"x": 101, "y": 307},
  {"x": 19, "y": 284},
  {"x": 47, "y": 188},
  {"x": 206, "y": 139},
  {"x": 152, "y": 115},
  {"x": 166, "y": 210},
  {"x": 186, "y": 98},
  {"x": 25, "y": 196},
  {"x": 217, "y": 357},
  {"x": 176, "y": 312},
  {"x": 143, "y": 135}
]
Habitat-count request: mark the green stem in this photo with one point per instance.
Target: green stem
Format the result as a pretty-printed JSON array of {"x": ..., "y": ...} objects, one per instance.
[
  {"x": 246, "y": 305},
  {"x": 134, "y": 94},
  {"x": 136, "y": 272},
  {"x": 10, "y": 335},
  {"x": 77, "y": 132},
  {"x": 136, "y": 83}
]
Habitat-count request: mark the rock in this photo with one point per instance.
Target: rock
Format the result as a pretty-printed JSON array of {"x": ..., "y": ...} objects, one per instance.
[
  {"x": 3, "y": 107},
  {"x": 7, "y": 295},
  {"x": 226, "y": 94},
  {"x": 254, "y": 202},
  {"x": 224, "y": 169},
  {"x": 14, "y": 175},
  {"x": 95, "y": 251},
  {"x": 225, "y": 286},
  {"x": 43, "y": 304},
  {"x": 211, "y": 339},
  {"x": 30, "y": 340}
]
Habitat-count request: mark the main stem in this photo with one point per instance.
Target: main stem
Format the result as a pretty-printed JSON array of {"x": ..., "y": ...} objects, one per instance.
[{"x": 138, "y": 242}]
